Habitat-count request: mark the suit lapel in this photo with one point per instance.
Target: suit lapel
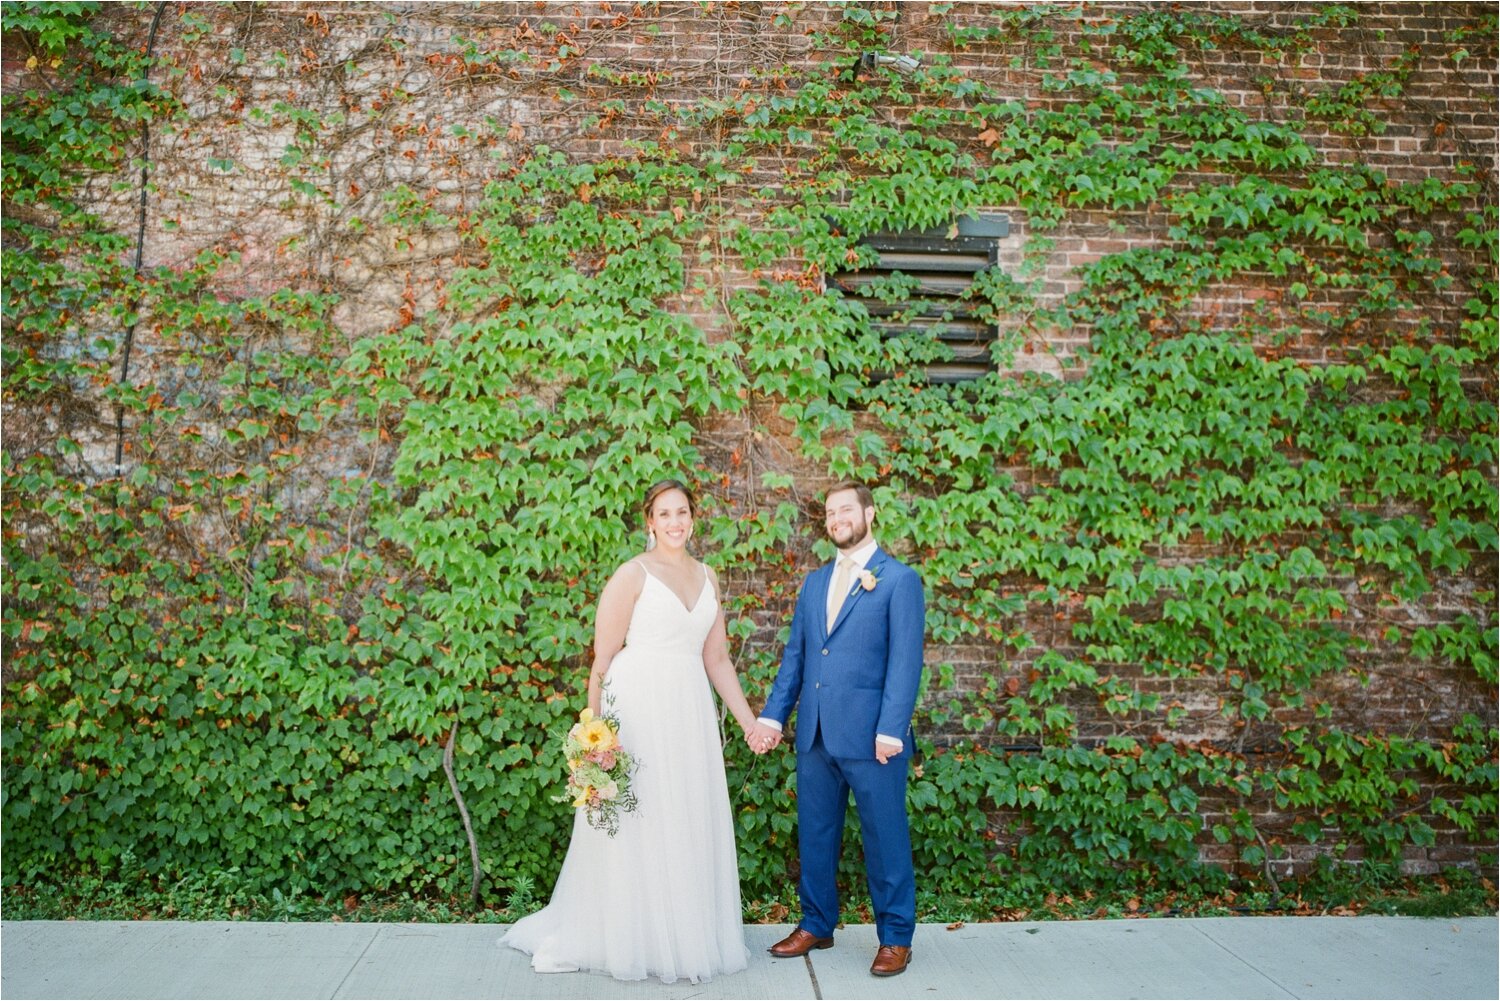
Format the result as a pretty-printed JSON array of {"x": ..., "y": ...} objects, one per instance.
[{"x": 877, "y": 560}]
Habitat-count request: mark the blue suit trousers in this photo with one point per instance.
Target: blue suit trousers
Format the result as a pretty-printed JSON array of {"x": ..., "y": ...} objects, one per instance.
[{"x": 823, "y": 786}]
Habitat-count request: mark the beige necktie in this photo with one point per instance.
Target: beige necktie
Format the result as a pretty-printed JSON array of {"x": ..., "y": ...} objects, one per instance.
[{"x": 840, "y": 589}]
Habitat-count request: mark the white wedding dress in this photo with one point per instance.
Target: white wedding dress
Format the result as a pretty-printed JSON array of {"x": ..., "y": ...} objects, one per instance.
[{"x": 662, "y": 897}]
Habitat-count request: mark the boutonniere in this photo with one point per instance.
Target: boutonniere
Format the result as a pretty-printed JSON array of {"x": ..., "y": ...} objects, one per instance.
[{"x": 868, "y": 580}]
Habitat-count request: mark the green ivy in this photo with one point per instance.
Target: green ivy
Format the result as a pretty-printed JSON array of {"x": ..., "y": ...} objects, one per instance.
[{"x": 1186, "y": 534}]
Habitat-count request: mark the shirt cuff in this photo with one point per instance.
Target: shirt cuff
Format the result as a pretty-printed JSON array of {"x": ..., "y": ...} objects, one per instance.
[
  {"x": 891, "y": 740},
  {"x": 768, "y": 721}
]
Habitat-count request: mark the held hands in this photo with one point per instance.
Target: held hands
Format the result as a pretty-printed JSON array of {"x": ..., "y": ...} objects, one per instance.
[{"x": 762, "y": 738}]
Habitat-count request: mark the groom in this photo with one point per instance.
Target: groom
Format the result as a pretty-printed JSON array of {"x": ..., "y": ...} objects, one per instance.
[{"x": 851, "y": 667}]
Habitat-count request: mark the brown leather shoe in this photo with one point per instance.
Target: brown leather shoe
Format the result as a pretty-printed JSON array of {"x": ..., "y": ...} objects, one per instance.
[
  {"x": 799, "y": 943},
  {"x": 891, "y": 960}
]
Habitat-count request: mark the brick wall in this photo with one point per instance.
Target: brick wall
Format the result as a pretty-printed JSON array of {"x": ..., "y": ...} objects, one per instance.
[{"x": 390, "y": 83}]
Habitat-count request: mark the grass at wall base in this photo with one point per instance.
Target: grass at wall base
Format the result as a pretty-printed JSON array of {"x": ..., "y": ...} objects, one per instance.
[{"x": 133, "y": 894}]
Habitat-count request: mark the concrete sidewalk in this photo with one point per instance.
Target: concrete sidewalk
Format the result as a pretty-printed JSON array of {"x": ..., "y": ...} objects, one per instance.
[{"x": 1365, "y": 957}]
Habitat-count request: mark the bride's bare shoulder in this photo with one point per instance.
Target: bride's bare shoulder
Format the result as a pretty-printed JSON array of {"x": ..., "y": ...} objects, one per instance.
[{"x": 628, "y": 579}]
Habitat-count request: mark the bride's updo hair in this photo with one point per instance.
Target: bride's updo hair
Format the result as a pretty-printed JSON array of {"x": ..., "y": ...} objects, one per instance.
[{"x": 660, "y": 487}]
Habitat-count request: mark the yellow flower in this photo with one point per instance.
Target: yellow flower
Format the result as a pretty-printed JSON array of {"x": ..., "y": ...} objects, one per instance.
[
  {"x": 583, "y": 796},
  {"x": 595, "y": 735},
  {"x": 584, "y": 719}
]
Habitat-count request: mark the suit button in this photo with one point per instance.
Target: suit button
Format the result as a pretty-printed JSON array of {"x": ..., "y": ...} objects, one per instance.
[
  {"x": 818, "y": 684},
  {"x": 825, "y": 653}
]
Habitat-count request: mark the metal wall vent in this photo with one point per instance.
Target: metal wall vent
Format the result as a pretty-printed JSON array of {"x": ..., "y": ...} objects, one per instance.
[{"x": 936, "y": 268}]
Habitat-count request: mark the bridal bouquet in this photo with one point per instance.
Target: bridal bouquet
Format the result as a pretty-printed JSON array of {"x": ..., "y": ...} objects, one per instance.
[{"x": 598, "y": 771}]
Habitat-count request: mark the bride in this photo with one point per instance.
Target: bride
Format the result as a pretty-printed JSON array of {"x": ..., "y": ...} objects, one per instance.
[{"x": 662, "y": 897}]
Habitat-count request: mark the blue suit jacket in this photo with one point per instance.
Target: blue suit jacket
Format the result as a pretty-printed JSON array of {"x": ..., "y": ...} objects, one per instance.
[{"x": 861, "y": 677}]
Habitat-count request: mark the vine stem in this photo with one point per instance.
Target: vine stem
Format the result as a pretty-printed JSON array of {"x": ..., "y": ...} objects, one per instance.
[
  {"x": 1266, "y": 867},
  {"x": 754, "y": 767},
  {"x": 140, "y": 247},
  {"x": 463, "y": 811}
]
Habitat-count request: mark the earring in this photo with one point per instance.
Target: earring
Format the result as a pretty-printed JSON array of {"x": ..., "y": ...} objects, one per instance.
[{"x": 650, "y": 540}]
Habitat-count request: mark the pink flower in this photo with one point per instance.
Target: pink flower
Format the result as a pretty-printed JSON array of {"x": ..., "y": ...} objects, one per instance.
[{"x": 604, "y": 759}]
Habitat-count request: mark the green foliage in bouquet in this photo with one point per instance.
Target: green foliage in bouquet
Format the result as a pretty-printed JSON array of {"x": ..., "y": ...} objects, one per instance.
[{"x": 599, "y": 771}]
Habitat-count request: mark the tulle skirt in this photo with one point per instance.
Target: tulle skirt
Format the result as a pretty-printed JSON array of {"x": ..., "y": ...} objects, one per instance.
[{"x": 662, "y": 897}]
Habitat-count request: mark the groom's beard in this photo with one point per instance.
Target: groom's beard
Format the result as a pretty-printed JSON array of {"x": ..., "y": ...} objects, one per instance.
[{"x": 857, "y": 534}]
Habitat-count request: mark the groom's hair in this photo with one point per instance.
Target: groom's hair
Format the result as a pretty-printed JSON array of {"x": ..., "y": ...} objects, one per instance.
[{"x": 866, "y": 499}]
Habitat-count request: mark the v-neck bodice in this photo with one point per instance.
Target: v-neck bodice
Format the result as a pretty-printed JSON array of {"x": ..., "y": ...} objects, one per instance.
[
  {"x": 685, "y": 606},
  {"x": 660, "y": 621}
]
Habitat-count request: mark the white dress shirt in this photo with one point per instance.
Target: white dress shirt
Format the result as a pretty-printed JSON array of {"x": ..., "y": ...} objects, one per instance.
[{"x": 860, "y": 557}]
